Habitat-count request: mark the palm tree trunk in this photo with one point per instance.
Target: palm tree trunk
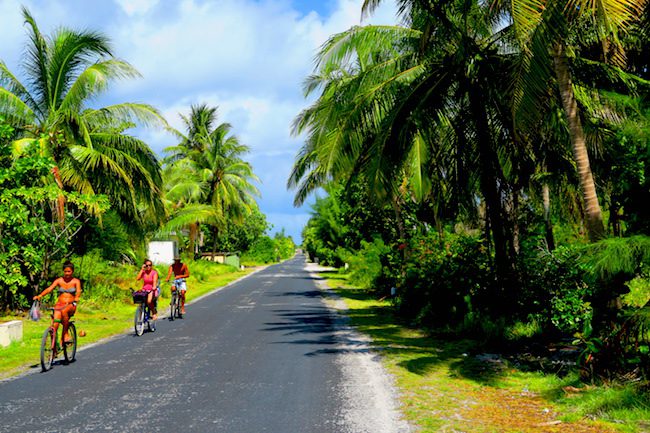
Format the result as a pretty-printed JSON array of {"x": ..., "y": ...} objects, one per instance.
[
  {"x": 402, "y": 235},
  {"x": 593, "y": 213},
  {"x": 489, "y": 162},
  {"x": 194, "y": 228},
  {"x": 514, "y": 212},
  {"x": 215, "y": 233},
  {"x": 60, "y": 200},
  {"x": 546, "y": 201}
]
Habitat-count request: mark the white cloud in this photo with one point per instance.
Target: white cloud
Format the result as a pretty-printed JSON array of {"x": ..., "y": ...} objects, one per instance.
[
  {"x": 248, "y": 58},
  {"x": 136, "y": 7}
]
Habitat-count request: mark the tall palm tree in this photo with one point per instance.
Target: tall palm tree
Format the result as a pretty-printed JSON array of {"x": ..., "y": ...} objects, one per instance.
[
  {"x": 92, "y": 150},
  {"x": 210, "y": 183},
  {"x": 543, "y": 28}
]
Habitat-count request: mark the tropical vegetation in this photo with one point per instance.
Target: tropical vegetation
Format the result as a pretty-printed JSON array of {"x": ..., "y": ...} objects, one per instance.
[{"x": 484, "y": 166}]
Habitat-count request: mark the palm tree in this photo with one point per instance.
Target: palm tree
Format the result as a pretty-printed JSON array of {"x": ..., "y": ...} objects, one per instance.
[
  {"x": 210, "y": 182},
  {"x": 543, "y": 28},
  {"x": 198, "y": 125},
  {"x": 426, "y": 103},
  {"x": 92, "y": 150}
]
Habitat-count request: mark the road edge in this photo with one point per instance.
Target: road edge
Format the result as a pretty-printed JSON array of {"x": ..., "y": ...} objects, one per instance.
[{"x": 366, "y": 377}]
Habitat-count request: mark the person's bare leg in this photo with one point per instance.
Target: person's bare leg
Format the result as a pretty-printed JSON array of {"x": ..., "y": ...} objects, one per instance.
[
  {"x": 55, "y": 324},
  {"x": 152, "y": 306},
  {"x": 66, "y": 323}
]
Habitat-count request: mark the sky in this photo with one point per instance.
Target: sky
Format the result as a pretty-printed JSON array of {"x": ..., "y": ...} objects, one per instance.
[{"x": 247, "y": 57}]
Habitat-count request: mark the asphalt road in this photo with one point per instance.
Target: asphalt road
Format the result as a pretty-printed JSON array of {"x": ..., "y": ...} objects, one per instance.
[{"x": 263, "y": 355}]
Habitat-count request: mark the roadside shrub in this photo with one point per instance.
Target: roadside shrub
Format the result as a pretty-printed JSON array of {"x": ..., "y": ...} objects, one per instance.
[
  {"x": 620, "y": 339},
  {"x": 442, "y": 276},
  {"x": 261, "y": 251},
  {"x": 556, "y": 286},
  {"x": 365, "y": 266},
  {"x": 111, "y": 238}
]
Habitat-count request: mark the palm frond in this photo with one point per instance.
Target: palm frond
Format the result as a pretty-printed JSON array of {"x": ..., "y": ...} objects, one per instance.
[
  {"x": 14, "y": 109},
  {"x": 193, "y": 213},
  {"x": 363, "y": 43},
  {"x": 36, "y": 63},
  {"x": 94, "y": 80},
  {"x": 69, "y": 53},
  {"x": 129, "y": 113},
  {"x": 13, "y": 85}
]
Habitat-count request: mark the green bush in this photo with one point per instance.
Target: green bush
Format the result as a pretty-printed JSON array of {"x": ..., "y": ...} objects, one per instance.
[
  {"x": 262, "y": 251},
  {"x": 110, "y": 238},
  {"x": 443, "y": 276},
  {"x": 269, "y": 250},
  {"x": 639, "y": 294},
  {"x": 365, "y": 266},
  {"x": 556, "y": 286}
]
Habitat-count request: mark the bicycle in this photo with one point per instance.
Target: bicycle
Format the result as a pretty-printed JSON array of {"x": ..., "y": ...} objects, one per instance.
[
  {"x": 50, "y": 346},
  {"x": 175, "y": 303},
  {"x": 143, "y": 315}
]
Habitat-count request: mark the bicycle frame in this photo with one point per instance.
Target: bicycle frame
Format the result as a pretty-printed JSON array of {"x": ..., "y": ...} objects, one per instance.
[
  {"x": 143, "y": 317},
  {"x": 51, "y": 346},
  {"x": 175, "y": 302}
]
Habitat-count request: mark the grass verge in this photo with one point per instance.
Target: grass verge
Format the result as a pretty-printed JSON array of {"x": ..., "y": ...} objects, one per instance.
[
  {"x": 101, "y": 319},
  {"x": 446, "y": 386}
]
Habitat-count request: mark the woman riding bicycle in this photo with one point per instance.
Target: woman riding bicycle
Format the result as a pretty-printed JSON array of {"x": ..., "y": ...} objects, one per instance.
[
  {"x": 69, "y": 289},
  {"x": 149, "y": 277}
]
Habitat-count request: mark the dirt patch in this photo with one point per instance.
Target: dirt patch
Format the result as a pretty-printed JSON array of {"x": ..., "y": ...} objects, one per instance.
[{"x": 490, "y": 409}]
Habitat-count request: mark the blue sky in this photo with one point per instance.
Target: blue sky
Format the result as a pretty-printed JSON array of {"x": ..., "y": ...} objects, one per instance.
[{"x": 248, "y": 57}]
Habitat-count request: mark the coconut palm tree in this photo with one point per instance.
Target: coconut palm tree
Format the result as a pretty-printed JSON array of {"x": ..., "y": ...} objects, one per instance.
[
  {"x": 92, "y": 150},
  {"x": 543, "y": 28},
  {"x": 210, "y": 183}
]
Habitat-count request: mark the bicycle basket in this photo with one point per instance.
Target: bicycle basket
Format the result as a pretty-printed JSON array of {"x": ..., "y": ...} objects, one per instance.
[{"x": 139, "y": 297}]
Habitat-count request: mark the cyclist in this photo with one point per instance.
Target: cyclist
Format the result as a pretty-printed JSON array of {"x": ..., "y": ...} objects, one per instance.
[
  {"x": 181, "y": 272},
  {"x": 149, "y": 277},
  {"x": 69, "y": 289}
]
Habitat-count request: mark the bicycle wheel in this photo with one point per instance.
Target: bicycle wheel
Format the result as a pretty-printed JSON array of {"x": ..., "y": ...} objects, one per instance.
[
  {"x": 172, "y": 306},
  {"x": 47, "y": 349},
  {"x": 151, "y": 324},
  {"x": 139, "y": 320},
  {"x": 70, "y": 349}
]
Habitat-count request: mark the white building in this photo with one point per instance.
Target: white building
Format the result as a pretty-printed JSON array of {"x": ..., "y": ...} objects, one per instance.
[{"x": 162, "y": 252}]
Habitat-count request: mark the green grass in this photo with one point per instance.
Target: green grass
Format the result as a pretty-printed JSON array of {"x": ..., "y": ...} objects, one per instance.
[
  {"x": 445, "y": 387},
  {"x": 101, "y": 319}
]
